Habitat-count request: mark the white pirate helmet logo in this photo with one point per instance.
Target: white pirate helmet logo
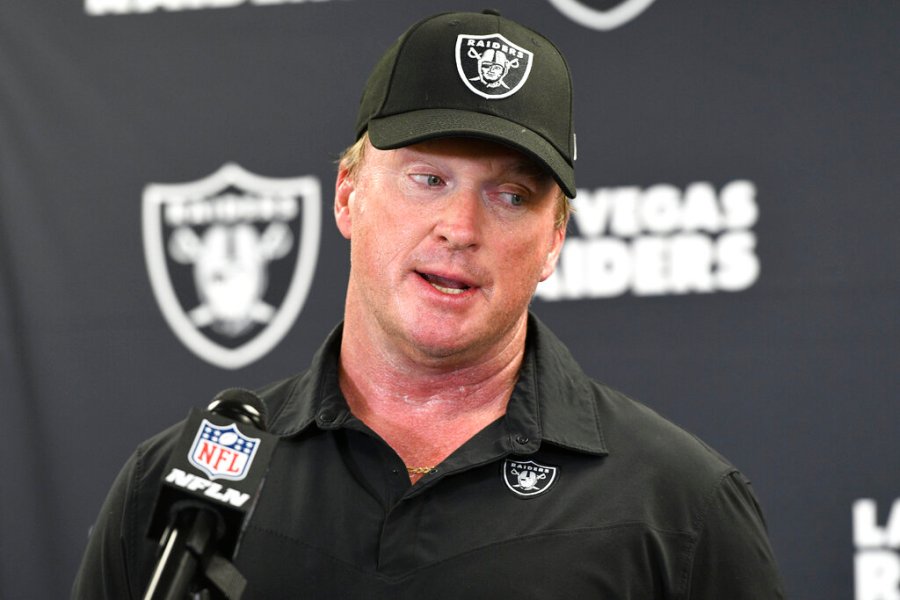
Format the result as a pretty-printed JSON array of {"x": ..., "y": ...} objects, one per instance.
[
  {"x": 491, "y": 65},
  {"x": 231, "y": 259},
  {"x": 527, "y": 478},
  {"x": 604, "y": 20}
]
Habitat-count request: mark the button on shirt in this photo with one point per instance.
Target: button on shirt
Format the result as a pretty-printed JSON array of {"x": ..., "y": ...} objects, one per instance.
[{"x": 577, "y": 492}]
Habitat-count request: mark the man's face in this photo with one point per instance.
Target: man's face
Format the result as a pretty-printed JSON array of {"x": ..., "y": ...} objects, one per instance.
[
  {"x": 492, "y": 71},
  {"x": 449, "y": 239}
]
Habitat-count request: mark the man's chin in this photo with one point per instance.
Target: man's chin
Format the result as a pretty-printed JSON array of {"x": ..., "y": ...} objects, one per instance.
[{"x": 444, "y": 344}]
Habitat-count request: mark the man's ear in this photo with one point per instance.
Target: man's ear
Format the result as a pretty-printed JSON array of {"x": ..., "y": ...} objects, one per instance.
[
  {"x": 344, "y": 189},
  {"x": 556, "y": 246}
]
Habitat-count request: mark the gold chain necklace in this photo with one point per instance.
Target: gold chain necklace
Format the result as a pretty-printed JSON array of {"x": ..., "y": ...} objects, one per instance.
[{"x": 419, "y": 470}]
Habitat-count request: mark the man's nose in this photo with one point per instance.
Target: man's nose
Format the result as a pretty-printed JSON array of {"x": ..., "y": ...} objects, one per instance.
[{"x": 460, "y": 219}]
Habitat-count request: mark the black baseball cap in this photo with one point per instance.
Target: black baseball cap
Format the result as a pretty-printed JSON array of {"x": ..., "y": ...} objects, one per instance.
[{"x": 474, "y": 75}]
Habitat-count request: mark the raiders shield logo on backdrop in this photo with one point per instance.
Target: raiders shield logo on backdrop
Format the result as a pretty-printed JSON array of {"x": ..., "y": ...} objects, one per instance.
[
  {"x": 231, "y": 258},
  {"x": 611, "y": 16},
  {"x": 527, "y": 478},
  {"x": 491, "y": 65}
]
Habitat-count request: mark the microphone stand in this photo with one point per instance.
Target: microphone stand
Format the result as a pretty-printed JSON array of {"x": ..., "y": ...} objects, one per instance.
[{"x": 185, "y": 548}]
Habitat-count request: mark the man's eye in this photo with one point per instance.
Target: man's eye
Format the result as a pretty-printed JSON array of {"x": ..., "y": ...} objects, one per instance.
[
  {"x": 428, "y": 179},
  {"x": 514, "y": 199}
]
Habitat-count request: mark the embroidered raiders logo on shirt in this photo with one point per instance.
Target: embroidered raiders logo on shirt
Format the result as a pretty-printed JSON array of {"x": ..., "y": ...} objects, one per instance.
[
  {"x": 491, "y": 65},
  {"x": 527, "y": 478}
]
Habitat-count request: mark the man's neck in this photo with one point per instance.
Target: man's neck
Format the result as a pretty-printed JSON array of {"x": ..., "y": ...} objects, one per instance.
[{"x": 426, "y": 409}]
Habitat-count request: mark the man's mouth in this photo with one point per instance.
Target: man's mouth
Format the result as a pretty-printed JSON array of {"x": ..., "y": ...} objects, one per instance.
[{"x": 444, "y": 285}]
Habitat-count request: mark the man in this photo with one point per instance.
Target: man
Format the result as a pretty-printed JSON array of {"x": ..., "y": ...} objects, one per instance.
[{"x": 444, "y": 444}]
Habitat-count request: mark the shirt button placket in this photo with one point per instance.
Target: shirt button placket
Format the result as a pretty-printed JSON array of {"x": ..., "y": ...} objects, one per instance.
[{"x": 398, "y": 549}]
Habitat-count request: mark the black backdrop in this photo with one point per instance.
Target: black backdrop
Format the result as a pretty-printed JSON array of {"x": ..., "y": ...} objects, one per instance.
[{"x": 733, "y": 264}]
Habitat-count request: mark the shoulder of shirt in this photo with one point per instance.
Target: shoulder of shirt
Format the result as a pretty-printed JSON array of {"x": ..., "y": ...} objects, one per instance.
[
  {"x": 152, "y": 454},
  {"x": 628, "y": 429},
  {"x": 628, "y": 422}
]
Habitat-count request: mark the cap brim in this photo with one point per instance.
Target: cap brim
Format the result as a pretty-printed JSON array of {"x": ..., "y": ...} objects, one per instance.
[{"x": 396, "y": 131}]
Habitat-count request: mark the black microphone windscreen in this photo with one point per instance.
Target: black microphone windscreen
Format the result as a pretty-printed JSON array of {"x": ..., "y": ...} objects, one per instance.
[{"x": 241, "y": 405}]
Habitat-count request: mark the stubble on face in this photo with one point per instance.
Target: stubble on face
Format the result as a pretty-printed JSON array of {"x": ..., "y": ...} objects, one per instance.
[{"x": 443, "y": 283}]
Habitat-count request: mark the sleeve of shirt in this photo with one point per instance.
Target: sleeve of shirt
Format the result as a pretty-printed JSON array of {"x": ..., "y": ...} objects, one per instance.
[
  {"x": 733, "y": 558},
  {"x": 119, "y": 557},
  {"x": 104, "y": 570}
]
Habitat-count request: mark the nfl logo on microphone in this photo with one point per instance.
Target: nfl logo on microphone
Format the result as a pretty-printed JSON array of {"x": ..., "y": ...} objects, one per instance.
[{"x": 222, "y": 452}]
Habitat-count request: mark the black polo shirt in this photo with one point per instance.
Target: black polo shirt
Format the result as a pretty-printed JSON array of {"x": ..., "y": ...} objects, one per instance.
[{"x": 577, "y": 492}]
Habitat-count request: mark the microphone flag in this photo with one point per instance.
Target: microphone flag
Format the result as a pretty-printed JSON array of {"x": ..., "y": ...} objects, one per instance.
[{"x": 219, "y": 463}]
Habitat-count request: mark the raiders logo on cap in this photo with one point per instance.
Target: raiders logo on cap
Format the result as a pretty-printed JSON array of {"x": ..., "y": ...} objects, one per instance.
[
  {"x": 493, "y": 89},
  {"x": 491, "y": 65},
  {"x": 527, "y": 478}
]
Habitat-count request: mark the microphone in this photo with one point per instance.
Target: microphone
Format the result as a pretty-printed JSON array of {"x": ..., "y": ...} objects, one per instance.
[{"x": 197, "y": 520}]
